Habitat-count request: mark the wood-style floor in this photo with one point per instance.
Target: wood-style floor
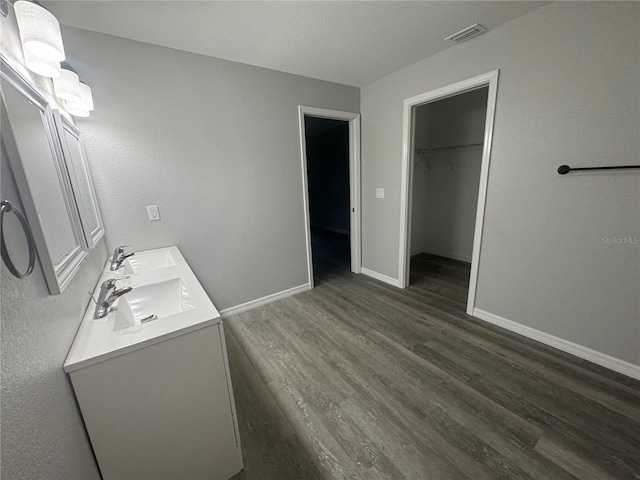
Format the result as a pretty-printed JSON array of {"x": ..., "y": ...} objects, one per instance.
[{"x": 358, "y": 379}]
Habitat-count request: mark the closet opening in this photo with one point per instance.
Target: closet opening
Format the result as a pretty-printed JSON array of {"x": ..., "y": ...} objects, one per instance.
[{"x": 447, "y": 139}]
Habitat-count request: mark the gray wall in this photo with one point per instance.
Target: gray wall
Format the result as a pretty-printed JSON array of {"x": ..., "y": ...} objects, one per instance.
[
  {"x": 42, "y": 431},
  {"x": 215, "y": 144},
  {"x": 42, "y": 435},
  {"x": 445, "y": 182},
  {"x": 457, "y": 120},
  {"x": 568, "y": 93},
  {"x": 444, "y": 200}
]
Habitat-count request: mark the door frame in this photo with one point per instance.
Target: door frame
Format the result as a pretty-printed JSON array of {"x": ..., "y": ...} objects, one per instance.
[
  {"x": 489, "y": 79},
  {"x": 354, "y": 181}
]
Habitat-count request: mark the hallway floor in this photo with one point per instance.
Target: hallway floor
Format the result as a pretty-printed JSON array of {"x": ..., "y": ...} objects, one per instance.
[{"x": 358, "y": 379}]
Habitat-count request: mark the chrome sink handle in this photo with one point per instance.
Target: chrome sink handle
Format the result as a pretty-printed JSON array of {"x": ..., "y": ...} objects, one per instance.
[
  {"x": 119, "y": 256},
  {"x": 103, "y": 305},
  {"x": 120, "y": 249},
  {"x": 117, "y": 294},
  {"x": 111, "y": 282}
]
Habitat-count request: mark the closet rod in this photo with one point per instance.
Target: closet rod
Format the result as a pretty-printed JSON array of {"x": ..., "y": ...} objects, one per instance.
[
  {"x": 564, "y": 169},
  {"x": 426, "y": 150}
]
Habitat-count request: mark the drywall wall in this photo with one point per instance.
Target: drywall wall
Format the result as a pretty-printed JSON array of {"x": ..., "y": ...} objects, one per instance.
[
  {"x": 215, "y": 144},
  {"x": 41, "y": 430},
  {"x": 453, "y": 121},
  {"x": 328, "y": 173},
  {"x": 42, "y": 434},
  {"x": 444, "y": 200},
  {"x": 568, "y": 94},
  {"x": 445, "y": 182}
]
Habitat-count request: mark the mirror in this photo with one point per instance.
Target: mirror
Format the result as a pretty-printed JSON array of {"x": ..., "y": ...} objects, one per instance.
[
  {"x": 35, "y": 155},
  {"x": 76, "y": 160}
]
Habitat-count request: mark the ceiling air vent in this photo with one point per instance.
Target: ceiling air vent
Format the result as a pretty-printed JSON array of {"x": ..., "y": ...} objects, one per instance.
[{"x": 468, "y": 33}]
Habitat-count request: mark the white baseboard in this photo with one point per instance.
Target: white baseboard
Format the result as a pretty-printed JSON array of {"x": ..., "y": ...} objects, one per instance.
[
  {"x": 441, "y": 253},
  {"x": 258, "y": 302},
  {"x": 602, "y": 359},
  {"x": 381, "y": 277}
]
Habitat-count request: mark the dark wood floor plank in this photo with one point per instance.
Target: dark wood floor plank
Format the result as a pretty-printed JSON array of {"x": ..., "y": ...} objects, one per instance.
[
  {"x": 378, "y": 382},
  {"x": 401, "y": 363},
  {"x": 260, "y": 414},
  {"x": 568, "y": 460},
  {"x": 327, "y": 452},
  {"x": 621, "y": 399},
  {"x": 605, "y": 451},
  {"x": 556, "y": 396},
  {"x": 270, "y": 447},
  {"x": 489, "y": 422},
  {"x": 400, "y": 417}
]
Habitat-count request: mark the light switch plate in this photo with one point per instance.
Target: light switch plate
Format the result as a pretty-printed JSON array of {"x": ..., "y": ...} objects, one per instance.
[
  {"x": 153, "y": 213},
  {"x": 379, "y": 192}
]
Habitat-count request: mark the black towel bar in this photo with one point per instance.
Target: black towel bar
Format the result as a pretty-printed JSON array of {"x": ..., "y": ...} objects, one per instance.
[{"x": 564, "y": 169}]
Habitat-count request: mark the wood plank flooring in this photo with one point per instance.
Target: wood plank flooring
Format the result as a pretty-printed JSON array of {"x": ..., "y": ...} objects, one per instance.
[{"x": 357, "y": 379}]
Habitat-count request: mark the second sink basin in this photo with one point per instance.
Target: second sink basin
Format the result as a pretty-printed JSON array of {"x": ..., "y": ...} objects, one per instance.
[
  {"x": 161, "y": 299},
  {"x": 142, "y": 262}
]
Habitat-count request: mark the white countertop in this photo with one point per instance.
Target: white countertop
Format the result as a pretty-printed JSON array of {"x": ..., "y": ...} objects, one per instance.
[{"x": 97, "y": 341}]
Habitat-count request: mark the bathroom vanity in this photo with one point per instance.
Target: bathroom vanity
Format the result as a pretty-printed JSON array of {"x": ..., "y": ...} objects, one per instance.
[{"x": 152, "y": 377}]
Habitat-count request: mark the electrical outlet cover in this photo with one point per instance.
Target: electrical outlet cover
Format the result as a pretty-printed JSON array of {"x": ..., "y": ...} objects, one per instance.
[{"x": 153, "y": 213}]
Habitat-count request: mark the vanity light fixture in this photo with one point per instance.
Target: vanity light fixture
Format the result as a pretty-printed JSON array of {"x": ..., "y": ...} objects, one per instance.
[
  {"x": 67, "y": 86},
  {"x": 84, "y": 106},
  {"x": 76, "y": 110},
  {"x": 87, "y": 98},
  {"x": 41, "y": 66},
  {"x": 39, "y": 31}
]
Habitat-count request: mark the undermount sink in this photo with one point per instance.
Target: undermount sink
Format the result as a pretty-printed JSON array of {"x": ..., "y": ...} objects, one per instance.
[
  {"x": 153, "y": 301},
  {"x": 147, "y": 261}
]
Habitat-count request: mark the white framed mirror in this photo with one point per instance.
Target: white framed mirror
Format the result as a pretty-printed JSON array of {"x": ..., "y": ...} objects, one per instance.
[
  {"x": 36, "y": 159},
  {"x": 81, "y": 181}
]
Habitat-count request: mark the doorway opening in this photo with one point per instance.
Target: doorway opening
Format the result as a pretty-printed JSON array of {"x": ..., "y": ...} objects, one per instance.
[
  {"x": 447, "y": 144},
  {"x": 331, "y": 179}
]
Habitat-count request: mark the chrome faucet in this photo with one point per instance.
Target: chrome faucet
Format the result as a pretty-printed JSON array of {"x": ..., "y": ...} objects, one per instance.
[
  {"x": 118, "y": 257},
  {"x": 103, "y": 305}
]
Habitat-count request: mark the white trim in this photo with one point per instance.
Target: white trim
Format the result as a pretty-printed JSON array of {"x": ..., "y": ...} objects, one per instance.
[
  {"x": 258, "y": 302},
  {"x": 380, "y": 276},
  {"x": 607, "y": 361},
  {"x": 354, "y": 194},
  {"x": 489, "y": 79},
  {"x": 354, "y": 181},
  {"x": 305, "y": 195}
]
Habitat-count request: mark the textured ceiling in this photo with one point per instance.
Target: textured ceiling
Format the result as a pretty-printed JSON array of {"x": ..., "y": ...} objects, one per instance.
[{"x": 348, "y": 42}]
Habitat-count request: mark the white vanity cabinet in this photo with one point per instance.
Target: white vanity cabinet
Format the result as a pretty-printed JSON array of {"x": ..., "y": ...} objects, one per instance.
[
  {"x": 156, "y": 398},
  {"x": 163, "y": 411}
]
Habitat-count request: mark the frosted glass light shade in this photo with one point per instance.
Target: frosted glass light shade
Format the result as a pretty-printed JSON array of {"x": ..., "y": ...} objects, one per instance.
[
  {"x": 86, "y": 99},
  {"x": 39, "y": 31},
  {"x": 67, "y": 86},
  {"x": 77, "y": 110},
  {"x": 84, "y": 106},
  {"x": 41, "y": 66}
]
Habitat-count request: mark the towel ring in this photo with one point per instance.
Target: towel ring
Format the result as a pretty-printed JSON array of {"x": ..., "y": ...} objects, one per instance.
[{"x": 6, "y": 206}]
